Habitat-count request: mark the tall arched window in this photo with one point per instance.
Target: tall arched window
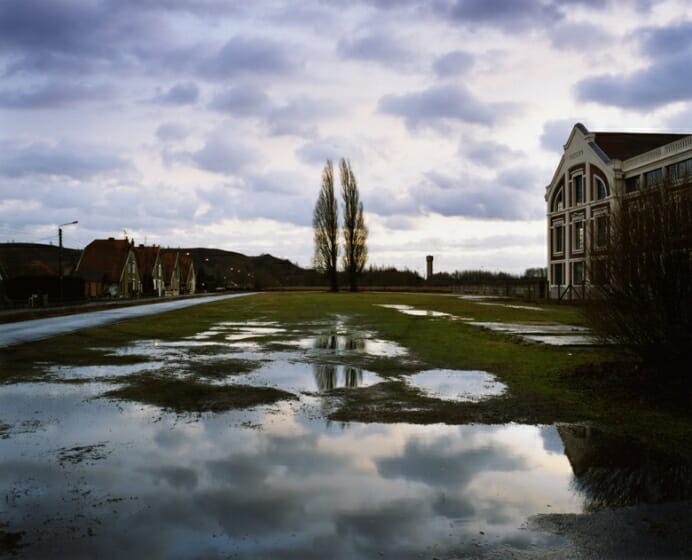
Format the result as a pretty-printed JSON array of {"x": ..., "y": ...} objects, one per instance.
[
  {"x": 558, "y": 201},
  {"x": 601, "y": 188}
]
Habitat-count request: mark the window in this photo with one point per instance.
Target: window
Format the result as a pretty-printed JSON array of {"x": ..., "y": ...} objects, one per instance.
[
  {"x": 559, "y": 239},
  {"x": 558, "y": 279},
  {"x": 578, "y": 182},
  {"x": 578, "y": 236},
  {"x": 679, "y": 170},
  {"x": 601, "y": 231},
  {"x": 558, "y": 201},
  {"x": 653, "y": 178},
  {"x": 601, "y": 189},
  {"x": 632, "y": 184},
  {"x": 578, "y": 272}
]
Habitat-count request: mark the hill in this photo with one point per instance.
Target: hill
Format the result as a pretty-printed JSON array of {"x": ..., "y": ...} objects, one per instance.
[{"x": 35, "y": 259}]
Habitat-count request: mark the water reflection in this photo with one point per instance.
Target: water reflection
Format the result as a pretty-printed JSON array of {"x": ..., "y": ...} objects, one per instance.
[
  {"x": 616, "y": 472},
  {"x": 457, "y": 385},
  {"x": 329, "y": 376},
  {"x": 365, "y": 343},
  {"x": 295, "y": 488}
]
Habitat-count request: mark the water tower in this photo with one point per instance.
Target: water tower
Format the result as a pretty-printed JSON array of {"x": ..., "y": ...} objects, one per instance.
[{"x": 429, "y": 267}]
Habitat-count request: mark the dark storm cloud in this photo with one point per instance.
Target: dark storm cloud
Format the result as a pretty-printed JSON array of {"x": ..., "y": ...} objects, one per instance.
[
  {"x": 453, "y": 63},
  {"x": 179, "y": 94},
  {"x": 437, "y": 104},
  {"x": 376, "y": 46},
  {"x": 53, "y": 95},
  {"x": 248, "y": 55},
  {"x": 78, "y": 162},
  {"x": 666, "y": 80}
]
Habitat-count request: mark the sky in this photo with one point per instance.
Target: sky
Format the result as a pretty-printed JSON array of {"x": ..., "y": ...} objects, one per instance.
[{"x": 206, "y": 123}]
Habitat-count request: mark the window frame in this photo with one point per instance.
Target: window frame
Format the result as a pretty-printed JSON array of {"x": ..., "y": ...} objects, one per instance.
[{"x": 578, "y": 227}]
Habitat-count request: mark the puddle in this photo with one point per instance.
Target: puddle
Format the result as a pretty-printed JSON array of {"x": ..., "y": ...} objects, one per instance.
[
  {"x": 551, "y": 334},
  {"x": 339, "y": 344},
  {"x": 513, "y": 306},
  {"x": 303, "y": 377},
  {"x": 277, "y": 482},
  {"x": 456, "y": 385},
  {"x": 100, "y": 372},
  {"x": 408, "y": 310}
]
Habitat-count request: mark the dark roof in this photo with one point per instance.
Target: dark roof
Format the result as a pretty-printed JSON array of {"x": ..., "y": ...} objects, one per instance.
[
  {"x": 624, "y": 145},
  {"x": 185, "y": 265},
  {"x": 168, "y": 260},
  {"x": 104, "y": 260},
  {"x": 146, "y": 258}
]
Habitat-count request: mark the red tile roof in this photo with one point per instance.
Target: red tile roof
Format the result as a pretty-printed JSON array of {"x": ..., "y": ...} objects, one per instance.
[
  {"x": 624, "y": 145},
  {"x": 103, "y": 260}
]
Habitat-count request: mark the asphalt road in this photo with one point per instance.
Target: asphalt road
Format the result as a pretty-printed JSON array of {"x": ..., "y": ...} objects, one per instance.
[{"x": 38, "y": 329}]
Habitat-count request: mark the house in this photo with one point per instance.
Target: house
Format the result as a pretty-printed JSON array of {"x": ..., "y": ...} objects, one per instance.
[
  {"x": 150, "y": 269},
  {"x": 597, "y": 171},
  {"x": 170, "y": 260},
  {"x": 109, "y": 268},
  {"x": 188, "y": 276}
]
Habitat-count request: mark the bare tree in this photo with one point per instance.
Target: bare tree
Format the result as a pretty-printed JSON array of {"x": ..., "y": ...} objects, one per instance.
[
  {"x": 325, "y": 225},
  {"x": 646, "y": 301},
  {"x": 355, "y": 231}
]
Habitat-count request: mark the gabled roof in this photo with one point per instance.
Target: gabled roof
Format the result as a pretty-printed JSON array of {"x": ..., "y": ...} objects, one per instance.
[
  {"x": 169, "y": 260},
  {"x": 146, "y": 258},
  {"x": 185, "y": 265},
  {"x": 624, "y": 145},
  {"x": 104, "y": 260}
]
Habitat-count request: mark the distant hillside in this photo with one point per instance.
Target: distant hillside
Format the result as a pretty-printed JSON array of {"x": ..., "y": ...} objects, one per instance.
[
  {"x": 35, "y": 259},
  {"x": 215, "y": 268}
]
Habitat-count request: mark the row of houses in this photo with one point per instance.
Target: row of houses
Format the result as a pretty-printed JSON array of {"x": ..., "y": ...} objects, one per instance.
[{"x": 119, "y": 268}]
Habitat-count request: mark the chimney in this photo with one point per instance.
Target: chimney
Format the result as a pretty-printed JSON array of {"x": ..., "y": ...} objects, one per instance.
[{"x": 429, "y": 267}]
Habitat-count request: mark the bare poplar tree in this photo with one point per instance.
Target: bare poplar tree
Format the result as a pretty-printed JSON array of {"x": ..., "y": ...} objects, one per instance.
[
  {"x": 354, "y": 230},
  {"x": 325, "y": 225}
]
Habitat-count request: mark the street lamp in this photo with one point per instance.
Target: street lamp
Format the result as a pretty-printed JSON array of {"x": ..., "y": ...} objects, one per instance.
[{"x": 60, "y": 251}]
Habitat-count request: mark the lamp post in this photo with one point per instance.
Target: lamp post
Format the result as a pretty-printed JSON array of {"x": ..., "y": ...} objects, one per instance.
[{"x": 60, "y": 251}]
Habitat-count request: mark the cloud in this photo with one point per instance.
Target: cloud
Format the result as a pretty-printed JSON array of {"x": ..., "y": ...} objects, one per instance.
[
  {"x": 180, "y": 94},
  {"x": 579, "y": 36},
  {"x": 333, "y": 148},
  {"x": 249, "y": 56},
  {"x": 453, "y": 64},
  {"x": 490, "y": 154},
  {"x": 171, "y": 131},
  {"x": 556, "y": 133},
  {"x": 508, "y": 15},
  {"x": 377, "y": 46},
  {"x": 241, "y": 101},
  {"x": 509, "y": 196},
  {"x": 78, "y": 162},
  {"x": 54, "y": 95},
  {"x": 221, "y": 155},
  {"x": 666, "y": 80},
  {"x": 437, "y": 104}
]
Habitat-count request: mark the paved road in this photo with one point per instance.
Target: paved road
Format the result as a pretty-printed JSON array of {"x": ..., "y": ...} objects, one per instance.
[{"x": 37, "y": 329}]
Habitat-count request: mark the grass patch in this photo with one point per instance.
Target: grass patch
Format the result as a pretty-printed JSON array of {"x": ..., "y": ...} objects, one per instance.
[
  {"x": 220, "y": 369},
  {"x": 193, "y": 397}
]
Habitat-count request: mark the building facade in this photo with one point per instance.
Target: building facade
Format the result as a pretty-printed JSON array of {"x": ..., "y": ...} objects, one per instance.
[{"x": 596, "y": 172}]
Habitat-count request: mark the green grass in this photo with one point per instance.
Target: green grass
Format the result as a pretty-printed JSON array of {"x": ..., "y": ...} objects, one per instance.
[{"x": 545, "y": 384}]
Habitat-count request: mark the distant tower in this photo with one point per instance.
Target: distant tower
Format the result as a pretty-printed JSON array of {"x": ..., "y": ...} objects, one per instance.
[{"x": 429, "y": 267}]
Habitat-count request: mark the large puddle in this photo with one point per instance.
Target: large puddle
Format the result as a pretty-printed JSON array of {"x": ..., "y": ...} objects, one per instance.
[
  {"x": 88, "y": 477},
  {"x": 455, "y": 385}
]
